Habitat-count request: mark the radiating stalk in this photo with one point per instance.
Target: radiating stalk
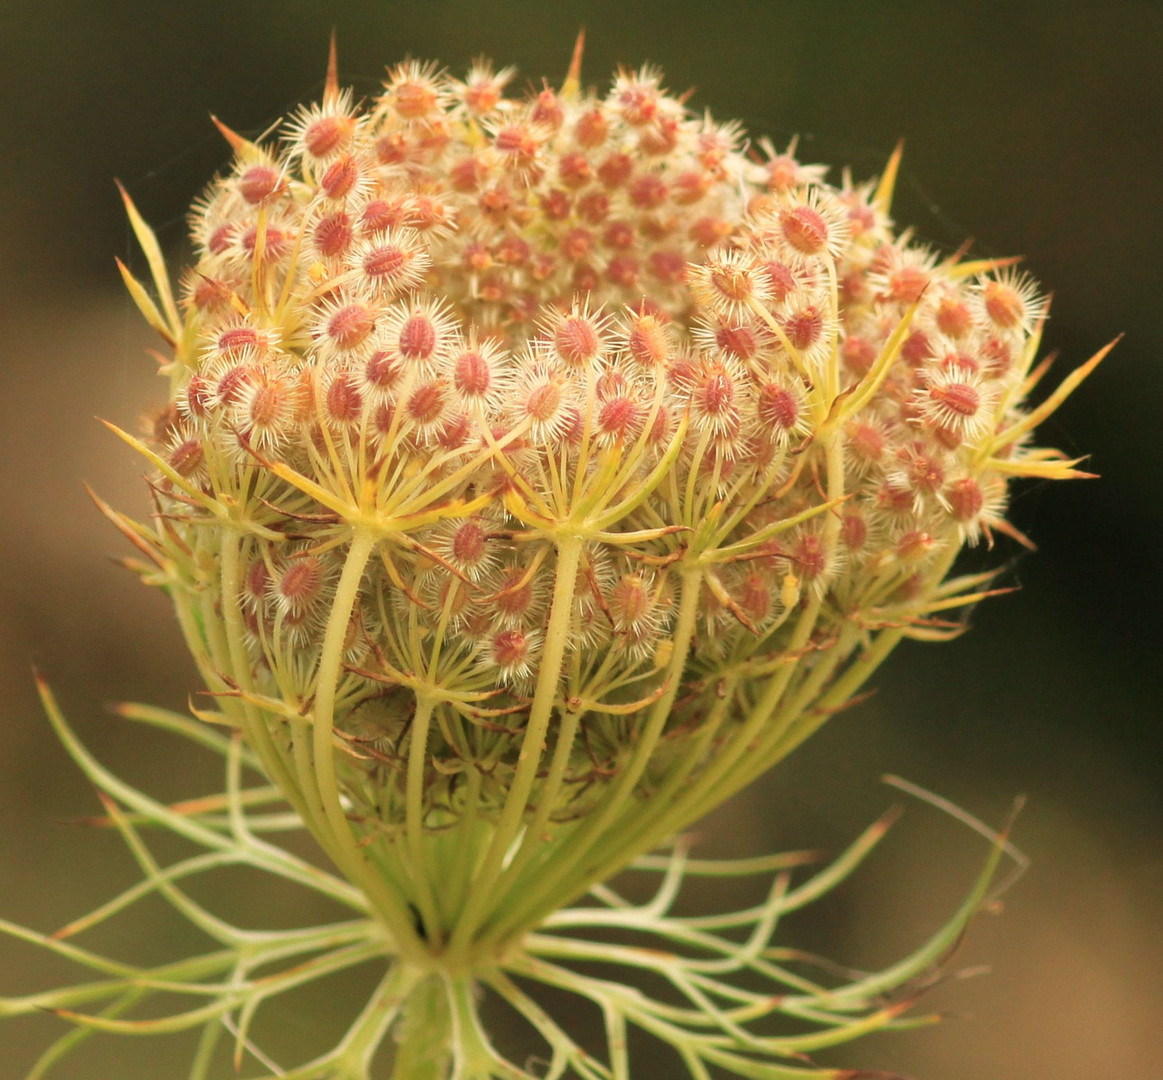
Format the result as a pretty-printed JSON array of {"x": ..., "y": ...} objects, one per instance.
[
  {"x": 387, "y": 902},
  {"x": 569, "y": 855},
  {"x": 532, "y": 744}
]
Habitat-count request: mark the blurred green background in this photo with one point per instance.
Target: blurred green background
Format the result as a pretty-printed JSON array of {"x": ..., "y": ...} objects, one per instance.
[{"x": 1032, "y": 128}]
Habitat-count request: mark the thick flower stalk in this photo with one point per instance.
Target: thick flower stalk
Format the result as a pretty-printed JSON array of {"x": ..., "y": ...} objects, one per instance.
[{"x": 535, "y": 474}]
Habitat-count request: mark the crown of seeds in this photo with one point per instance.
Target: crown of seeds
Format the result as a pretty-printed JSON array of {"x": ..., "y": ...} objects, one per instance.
[{"x": 500, "y": 315}]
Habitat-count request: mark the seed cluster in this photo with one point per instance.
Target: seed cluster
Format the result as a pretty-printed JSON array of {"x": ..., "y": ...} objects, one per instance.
[{"x": 473, "y": 328}]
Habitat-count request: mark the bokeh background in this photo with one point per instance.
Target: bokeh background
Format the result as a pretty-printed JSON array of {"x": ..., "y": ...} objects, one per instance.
[{"x": 1032, "y": 128}]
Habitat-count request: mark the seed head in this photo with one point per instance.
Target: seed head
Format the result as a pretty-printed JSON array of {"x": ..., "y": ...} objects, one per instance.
[{"x": 513, "y": 407}]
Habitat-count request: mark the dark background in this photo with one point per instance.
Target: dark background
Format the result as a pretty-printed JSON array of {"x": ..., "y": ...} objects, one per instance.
[{"x": 1032, "y": 128}]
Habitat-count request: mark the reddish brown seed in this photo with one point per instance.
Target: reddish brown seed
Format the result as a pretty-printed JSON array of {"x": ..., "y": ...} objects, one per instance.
[
  {"x": 415, "y": 99},
  {"x": 543, "y": 401},
  {"x": 427, "y": 401},
  {"x": 301, "y": 583},
  {"x": 556, "y": 205},
  {"x": 715, "y": 393},
  {"x": 387, "y": 261},
  {"x": 754, "y": 597},
  {"x": 199, "y": 395},
  {"x": 615, "y": 170},
  {"x": 482, "y": 97},
  {"x": 953, "y": 317},
  {"x": 854, "y": 532},
  {"x": 668, "y": 266},
  {"x": 960, "y": 398},
  {"x": 804, "y": 229},
  {"x": 334, "y": 234},
  {"x": 781, "y": 278},
  {"x": 468, "y": 543},
  {"x": 417, "y": 337},
  {"x": 518, "y": 141},
  {"x": 512, "y": 251},
  {"x": 381, "y": 370},
  {"x": 341, "y": 176},
  {"x": 619, "y": 416},
  {"x": 865, "y": 441},
  {"x": 924, "y": 471},
  {"x": 350, "y": 325},
  {"x": 275, "y": 242},
  {"x": 858, "y": 354},
  {"x": 965, "y": 498},
  {"x": 327, "y": 134},
  {"x": 916, "y": 349},
  {"x": 238, "y": 338},
  {"x": 804, "y": 327},
  {"x": 510, "y": 648},
  {"x": 618, "y": 235},
  {"x": 468, "y": 174},
  {"x": 454, "y": 432},
  {"x": 629, "y": 601},
  {"x": 689, "y": 187},
  {"x": 576, "y": 340},
  {"x": 547, "y": 110},
  {"x": 259, "y": 182},
  {"x": 343, "y": 402},
  {"x": 574, "y": 170},
  {"x": 379, "y": 215},
  {"x": 594, "y": 207},
  {"x": 515, "y": 596},
  {"x": 809, "y": 555},
  {"x": 471, "y": 374},
  {"x": 187, "y": 456},
  {"x": 782, "y": 172},
  {"x": 256, "y": 582},
  {"x": 268, "y": 404},
  {"x": 577, "y": 244},
  {"x": 738, "y": 341},
  {"x": 228, "y": 389},
  {"x": 997, "y": 355},
  {"x": 647, "y": 342},
  {"x": 708, "y": 231},
  {"x": 908, "y": 284},
  {"x": 623, "y": 270},
  {"x": 221, "y": 238},
  {"x": 777, "y": 407},
  {"x": 648, "y": 192},
  {"x": 592, "y": 128},
  {"x": 914, "y": 545},
  {"x": 1003, "y": 304}
]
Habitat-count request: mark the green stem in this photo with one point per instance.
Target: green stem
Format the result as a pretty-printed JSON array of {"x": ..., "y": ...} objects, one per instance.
[
  {"x": 254, "y": 726},
  {"x": 330, "y": 661},
  {"x": 569, "y": 549},
  {"x": 462, "y": 846},
  {"x": 663, "y": 817},
  {"x": 414, "y": 817},
  {"x": 515, "y": 885},
  {"x": 653, "y": 822},
  {"x": 344, "y": 847},
  {"x": 473, "y": 1057},
  {"x": 547, "y": 892},
  {"x": 424, "y": 1051}
]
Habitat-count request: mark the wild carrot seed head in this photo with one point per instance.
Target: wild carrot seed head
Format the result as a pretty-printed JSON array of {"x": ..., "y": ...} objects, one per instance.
[{"x": 484, "y": 327}]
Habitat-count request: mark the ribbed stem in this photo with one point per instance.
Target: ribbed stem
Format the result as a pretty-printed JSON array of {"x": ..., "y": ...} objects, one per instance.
[
  {"x": 663, "y": 816},
  {"x": 344, "y": 848},
  {"x": 532, "y": 744},
  {"x": 568, "y": 875},
  {"x": 254, "y": 724},
  {"x": 414, "y": 818},
  {"x": 425, "y": 1047}
]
